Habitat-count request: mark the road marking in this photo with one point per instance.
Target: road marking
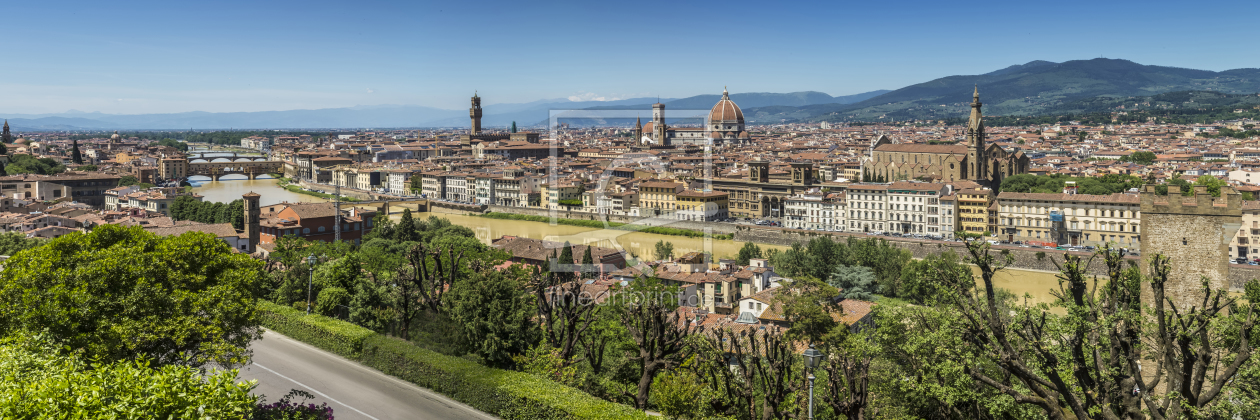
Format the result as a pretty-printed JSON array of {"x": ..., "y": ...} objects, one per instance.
[
  {"x": 381, "y": 375},
  {"x": 317, "y": 392}
]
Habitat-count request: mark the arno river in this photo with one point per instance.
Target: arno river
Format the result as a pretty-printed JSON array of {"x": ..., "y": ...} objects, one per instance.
[{"x": 1035, "y": 283}]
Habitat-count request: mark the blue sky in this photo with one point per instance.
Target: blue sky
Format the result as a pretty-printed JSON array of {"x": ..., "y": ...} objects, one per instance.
[{"x": 171, "y": 56}]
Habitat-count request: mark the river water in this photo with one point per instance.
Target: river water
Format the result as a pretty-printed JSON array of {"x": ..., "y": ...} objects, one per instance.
[
  {"x": 640, "y": 245},
  {"x": 1035, "y": 283}
]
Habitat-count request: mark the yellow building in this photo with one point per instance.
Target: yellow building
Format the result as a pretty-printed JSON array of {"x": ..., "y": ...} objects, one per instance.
[
  {"x": 1071, "y": 219},
  {"x": 124, "y": 158},
  {"x": 657, "y": 197},
  {"x": 973, "y": 210}
]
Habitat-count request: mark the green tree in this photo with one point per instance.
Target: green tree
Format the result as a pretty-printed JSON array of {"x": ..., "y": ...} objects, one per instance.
[
  {"x": 588, "y": 265},
  {"x": 75, "y": 155},
  {"x": 406, "y": 230},
  {"x": 88, "y": 168},
  {"x": 128, "y": 180},
  {"x": 1141, "y": 158},
  {"x": 664, "y": 250},
  {"x": 658, "y": 333},
  {"x": 13, "y": 242},
  {"x": 1212, "y": 183},
  {"x": 330, "y": 300},
  {"x": 496, "y": 311},
  {"x": 42, "y": 379},
  {"x": 123, "y": 293},
  {"x": 854, "y": 282},
  {"x": 748, "y": 252}
]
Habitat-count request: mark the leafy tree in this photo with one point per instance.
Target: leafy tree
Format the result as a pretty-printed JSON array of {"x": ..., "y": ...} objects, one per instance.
[
  {"x": 88, "y": 168},
  {"x": 330, "y": 298},
  {"x": 42, "y": 378},
  {"x": 1213, "y": 185},
  {"x": 1141, "y": 158},
  {"x": 922, "y": 278},
  {"x": 496, "y": 313},
  {"x": 854, "y": 282},
  {"x": 748, "y": 252},
  {"x": 1068, "y": 367},
  {"x": 1247, "y": 195},
  {"x": 658, "y": 332},
  {"x": 123, "y": 293},
  {"x": 27, "y": 164},
  {"x": 128, "y": 180},
  {"x": 75, "y": 155},
  {"x": 13, "y": 242},
  {"x": 664, "y": 250}
]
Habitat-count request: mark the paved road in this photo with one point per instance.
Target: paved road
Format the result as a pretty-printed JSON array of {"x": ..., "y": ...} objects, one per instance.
[{"x": 354, "y": 391}]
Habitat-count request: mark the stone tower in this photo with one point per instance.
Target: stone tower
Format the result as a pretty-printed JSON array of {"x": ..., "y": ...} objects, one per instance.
[
  {"x": 5, "y": 136},
  {"x": 803, "y": 173},
  {"x": 1194, "y": 234},
  {"x": 638, "y": 129},
  {"x": 252, "y": 213},
  {"x": 976, "y": 159},
  {"x": 759, "y": 171},
  {"x": 658, "y": 124},
  {"x": 475, "y": 114}
]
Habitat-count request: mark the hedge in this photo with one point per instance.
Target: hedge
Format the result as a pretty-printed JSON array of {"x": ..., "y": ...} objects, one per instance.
[
  {"x": 330, "y": 334},
  {"x": 504, "y": 393},
  {"x": 507, "y": 394}
]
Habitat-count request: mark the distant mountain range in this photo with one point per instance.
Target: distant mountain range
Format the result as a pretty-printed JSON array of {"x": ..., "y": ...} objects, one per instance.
[{"x": 1033, "y": 88}]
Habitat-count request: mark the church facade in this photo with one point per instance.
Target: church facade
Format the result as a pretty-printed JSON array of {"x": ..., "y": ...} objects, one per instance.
[
  {"x": 977, "y": 161},
  {"x": 724, "y": 124}
]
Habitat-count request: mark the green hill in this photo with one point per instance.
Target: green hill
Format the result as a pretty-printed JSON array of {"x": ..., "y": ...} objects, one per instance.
[{"x": 1034, "y": 88}]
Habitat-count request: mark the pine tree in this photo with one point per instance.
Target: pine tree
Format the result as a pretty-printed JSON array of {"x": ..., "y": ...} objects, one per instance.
[{"x": 75, "y": 155}]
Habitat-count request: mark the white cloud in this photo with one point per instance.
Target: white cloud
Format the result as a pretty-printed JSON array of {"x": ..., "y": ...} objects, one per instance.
[{"x": 369, "y": 90}]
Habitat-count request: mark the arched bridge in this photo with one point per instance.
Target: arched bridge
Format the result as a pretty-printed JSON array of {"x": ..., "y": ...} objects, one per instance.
[
  {"x": 214, "y": 170},
  {"x": 222, "y": 155}
]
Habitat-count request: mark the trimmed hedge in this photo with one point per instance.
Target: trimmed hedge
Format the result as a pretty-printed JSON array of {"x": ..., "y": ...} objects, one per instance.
[
  {"x": 504, "y": 393},
  {"x": 507, "y": 394},
  {"x": 330, "y": 334}
]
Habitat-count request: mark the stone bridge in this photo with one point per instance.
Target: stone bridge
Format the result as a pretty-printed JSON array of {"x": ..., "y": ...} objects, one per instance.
[
  {"x": 252, "y": 169},
  {"x": 235, "y": 157}
]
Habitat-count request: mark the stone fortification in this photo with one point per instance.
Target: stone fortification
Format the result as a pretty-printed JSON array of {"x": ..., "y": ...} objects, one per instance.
[{"x": 1194, "y": 233}]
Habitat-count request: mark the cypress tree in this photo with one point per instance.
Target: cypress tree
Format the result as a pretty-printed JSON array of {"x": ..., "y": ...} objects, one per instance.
[
  {"x": 513, "y": 126},
  {"x": 406, "y": 230},
  {"x": 75, "y": 155},
  {"x": 564, "y": 269},
  {"x": 588, "y": 263}
]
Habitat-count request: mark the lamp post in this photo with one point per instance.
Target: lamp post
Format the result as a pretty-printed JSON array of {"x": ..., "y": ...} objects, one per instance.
[
  {"x": 310, "y": 261},
  {"x": 812, "y": 357}
]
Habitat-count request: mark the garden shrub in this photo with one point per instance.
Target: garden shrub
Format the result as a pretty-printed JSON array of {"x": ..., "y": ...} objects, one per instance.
[{"x": 336, "y": 336}]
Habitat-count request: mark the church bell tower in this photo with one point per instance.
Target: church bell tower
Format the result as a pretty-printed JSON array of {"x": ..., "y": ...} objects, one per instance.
[
  {"x": 977, "y": 162},
  {"x": 475, "y": 114},
  {"x": 6, "y": 136}
]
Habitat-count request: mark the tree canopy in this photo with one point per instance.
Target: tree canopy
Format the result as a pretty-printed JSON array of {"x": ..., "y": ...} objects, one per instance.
[{"x": 123, "y": 293}]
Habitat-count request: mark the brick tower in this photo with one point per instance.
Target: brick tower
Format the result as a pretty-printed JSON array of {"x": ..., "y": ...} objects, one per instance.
[
  {"x": 1194, "y": 234},
  {"x": 251, "y": 219}
]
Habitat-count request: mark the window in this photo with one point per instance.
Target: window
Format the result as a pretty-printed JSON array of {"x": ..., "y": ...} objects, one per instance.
[
  {"x": 321, "y": 229},
  {"x": 306, "y": 231}
]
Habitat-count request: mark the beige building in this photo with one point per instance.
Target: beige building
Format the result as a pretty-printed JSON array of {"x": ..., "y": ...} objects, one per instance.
[
  {"x": 1241, "y": 245},
  {"x": 1071, "y": 219},
  {"x": 657, "y": 197}
]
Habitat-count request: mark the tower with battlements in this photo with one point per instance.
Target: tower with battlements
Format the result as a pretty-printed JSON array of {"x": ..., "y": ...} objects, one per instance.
[
  {"x": 1194, "y": 233},
  {"x": 475, "y": 114},
  {"x": 251, "y": 223}
]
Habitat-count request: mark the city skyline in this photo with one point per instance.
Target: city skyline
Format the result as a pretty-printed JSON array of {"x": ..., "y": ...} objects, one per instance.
[{"x": 141, "y": 57}]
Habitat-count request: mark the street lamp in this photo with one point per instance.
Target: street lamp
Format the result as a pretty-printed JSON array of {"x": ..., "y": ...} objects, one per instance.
[
  {"x": 812, "y": 357},
  {"x": 310, "y": 260}
]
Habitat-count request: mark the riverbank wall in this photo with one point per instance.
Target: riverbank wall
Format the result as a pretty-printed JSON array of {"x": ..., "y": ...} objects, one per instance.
[
  {"x": 1022, "y": 258},
  {"x": 714, "y": 228}
]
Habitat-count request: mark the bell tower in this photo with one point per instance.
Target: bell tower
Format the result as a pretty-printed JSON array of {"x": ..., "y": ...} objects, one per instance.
[
  {"x": 475, "y": 114},
  {"x": 658, "y": 124},
  {"x": 977, "y": 162},
  {"x": 251, "y": 222},
  {"x": 6, "y": 137}
]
